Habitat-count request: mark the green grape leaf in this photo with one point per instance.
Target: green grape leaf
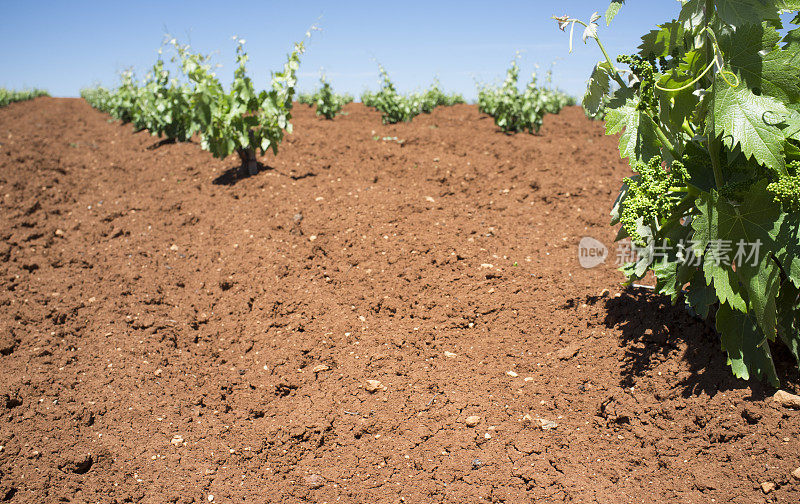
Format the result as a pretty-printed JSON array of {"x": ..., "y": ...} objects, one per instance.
[
  {"x": 761, "y": 283},
  {"x": 789, "y": 318},
  {"x": 613, "y": 10},
  {"x": 638, "y": 140},
  {"x": 791, "y": 42},
  {"x": 644, "y": 254},
  {"x": 737, "y": 13},
  {"x": 622, "y": 233},
  {"x": 671, "y": 276},
  {"x": 700, "y": 176},
  {"x": 791, "y": 126},
  {"x": 725, "y": 283},
  {"x": 747, "y": 348},
  {"x": 751, "y": 221},
  {"x": 753, "y": 54},
  {"x": 719, "y": 223},
  {"x": 675, "y": 108},
  {"x": 701, "y": 295},
  {"x": 745, "y": 120},
  {"x": 692, "y": 15},
  {"x": 662, "y": 42},
  {"x": 615, "y": 210},
  {"x": 692, "y": 64},
  {"x": 598, "y": 86},
  {"x": 619, "y": 97},
  {"x": 786, "y": 234},
  {"x": 676, "y": 105},
  {"x": 667, "y": 279}
]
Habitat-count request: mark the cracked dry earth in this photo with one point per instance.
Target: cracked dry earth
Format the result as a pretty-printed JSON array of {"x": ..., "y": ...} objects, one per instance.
[{"x": 400, "y": 319}]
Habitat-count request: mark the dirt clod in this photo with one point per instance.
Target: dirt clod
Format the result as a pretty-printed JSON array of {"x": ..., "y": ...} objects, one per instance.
[{"x": 472, "y": 421}]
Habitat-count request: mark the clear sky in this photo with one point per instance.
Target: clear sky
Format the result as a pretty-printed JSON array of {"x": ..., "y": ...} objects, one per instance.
[{"x": 64, "y": 46}]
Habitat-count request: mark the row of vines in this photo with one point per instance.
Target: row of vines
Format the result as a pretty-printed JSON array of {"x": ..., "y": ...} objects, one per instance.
[{"x": 708, "y": 116}]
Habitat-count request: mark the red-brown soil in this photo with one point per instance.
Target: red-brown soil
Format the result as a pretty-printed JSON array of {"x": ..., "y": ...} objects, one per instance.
[{"x": 170, "y": 332}]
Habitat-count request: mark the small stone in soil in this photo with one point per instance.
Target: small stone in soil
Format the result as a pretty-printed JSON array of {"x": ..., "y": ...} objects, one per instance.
[
  {"x": 545, "y": 424},
  {"x": 177, "y": 440},
  {"x": 786, "y": 399},
  {"x": 512, "y": 374},
  {"x": 477, "y": 464},
  {"x": 450, "y": 355},
  {"x": 319, "y": 368},
  {"x": 298, "y": 218},
  {"x": 313, "y": 481},
  {"x": 568, "y": 352},
  {"x": 473, "y": 421},
  {"x": 767, "y": 487},
  {"x": 374, "y": 386},
  {"x": 795, "y": 473}
]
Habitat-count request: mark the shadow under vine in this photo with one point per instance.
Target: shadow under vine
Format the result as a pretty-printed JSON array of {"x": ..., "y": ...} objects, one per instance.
[{"x": 653, "y": 330}]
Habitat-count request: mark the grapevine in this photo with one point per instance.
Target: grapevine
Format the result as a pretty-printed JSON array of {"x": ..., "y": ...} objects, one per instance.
[
  {"x": 515, "y": 111},
  {"x": 328, "y": 103},
  {"x": 711, "y": 95},
  {"x": 241, "y": 120},
  {"x": 8, "y": 96},
  {"x": 396, "y": 107}
]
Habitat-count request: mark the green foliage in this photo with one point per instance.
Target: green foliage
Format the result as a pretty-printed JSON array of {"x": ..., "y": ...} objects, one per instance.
[
  {"x": 240, "y": 120},
  {"x": 9, "y": 96},
  {"x": 435, "y": 97},
  {"x": 396, "y": 107},
  {"x": 122, "y": 103},
  {"x": 514, "y": 110},
  {"x": 329, "y": 104},
  {"x": 393, "y": 106},
  {"x": 163, "y": 106},
  {"x": 98, "y": 97},
  {"x": 306, "y": 98},
  {"x": 713, "y": 95}
]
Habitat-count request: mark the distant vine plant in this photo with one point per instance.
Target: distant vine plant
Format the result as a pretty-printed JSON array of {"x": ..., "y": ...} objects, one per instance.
[
  {"x": 708, "y": 114},
  {"x": 329, "y": 104},
  {"x": 241, "y": 120}
]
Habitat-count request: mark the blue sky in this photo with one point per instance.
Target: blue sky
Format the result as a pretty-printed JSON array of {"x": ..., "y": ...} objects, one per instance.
[{"x": 64, "y": 46}]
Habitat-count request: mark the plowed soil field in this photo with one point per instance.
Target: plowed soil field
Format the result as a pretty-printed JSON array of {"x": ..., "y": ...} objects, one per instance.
[{"x": 385, "y": 314}]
